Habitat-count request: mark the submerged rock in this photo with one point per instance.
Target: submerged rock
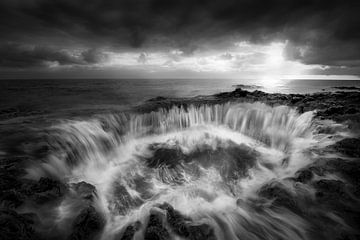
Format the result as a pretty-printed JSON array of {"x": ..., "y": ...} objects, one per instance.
[
  {"x": 201, "y": 232},
  {"x": 155, "y": 229},
  {"x": 130, "y": 231},
  {"x": 349, "y": 147},
  {"x": 185, "y": 227},
  {"x": 280, "y": 196},
  {"x": 123, "y": 202},
  {"x": 177, "y": 222},
  {"x": 45, "y": 190},
  {"x": 303, "y": 175},
  {"x": 87, "y": 225},
  {"x": 330, "y": 190},
  {"x": 15, "y": 226}
]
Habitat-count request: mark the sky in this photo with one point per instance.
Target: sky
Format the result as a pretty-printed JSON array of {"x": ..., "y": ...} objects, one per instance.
[{"x": 180, "y": 39}]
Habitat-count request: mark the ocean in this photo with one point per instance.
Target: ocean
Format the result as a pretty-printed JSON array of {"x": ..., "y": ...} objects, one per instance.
[{"x": 26, "y": 98}]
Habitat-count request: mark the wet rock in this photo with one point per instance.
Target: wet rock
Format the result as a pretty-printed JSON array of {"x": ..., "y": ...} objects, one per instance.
[
  {"x": 349, "y": 147},
  {"x": 155, "y": 229},
  {"x": 178, "y": 222},
  {"x": 201, "y": 232},
  {"x": 349, "y": 170},
  {"x": 87, "y": 225},
  {"x": 330, "y": 190},
  {"x": 130, "y": 231},
  {"x": 334, "y": 110},
  {"x": 185, "y": 227},
  {"x": 15, "y": 226},
  {"x": 45, "y": 190},
  {"x": 159, "y": 98},
  {"x": 303, "y": 176},
  {"x": 280, "y": 196},
  {"x": 164, "y": 156},
  {"x": 85, "y": 190},
  {"x": 123, "y": 202},
  {"x": 233, "y": 161},
  {"x": 11, "y": 198},
  {"x": 234, "y": 94}
]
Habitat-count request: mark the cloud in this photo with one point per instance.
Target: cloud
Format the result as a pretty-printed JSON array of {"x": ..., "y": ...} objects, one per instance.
[
  {"x": 93, "y": 56},
  {"x": 226, "y": 56},
  {"x": 317, "y": 31},
  {"x": 142, "y": 58},
  {"x": 14, "y": 55}
]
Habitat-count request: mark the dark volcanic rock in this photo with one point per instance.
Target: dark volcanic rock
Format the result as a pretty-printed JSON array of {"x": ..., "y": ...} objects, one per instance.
[
  {"x": 130, "y": 231},
  {"x": 164, "y": 156},
  {"x": 349, "y": 147},
  {"x": 176, "y": 220},
  {"x": 85, "y": 190},
  {"x": 123, "y": 201},
  {"x": 303, "y": 175},
  {"x": 15, "y": 226},
  {"x": 234, "y": 94},
  {"x": 46, "y": 190},
  {"x": 155, "y": 229},
  {"x": 281, "y": 197},
  {"x": 330, "y": 190},
  {"x": 339, "y": 106},
  {"x": 87, "y": 225},
  {"x": 184, "y": 226},
  {"x": 201, "y": 232},
  {"x": 11, "y": 198}
]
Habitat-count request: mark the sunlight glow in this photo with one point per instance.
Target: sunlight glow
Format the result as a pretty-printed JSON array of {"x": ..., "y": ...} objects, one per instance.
[{"x": 275, "y": 55}]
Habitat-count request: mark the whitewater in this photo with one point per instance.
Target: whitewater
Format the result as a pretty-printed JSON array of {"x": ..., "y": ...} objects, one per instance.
[{"x": 209, "y": 164}]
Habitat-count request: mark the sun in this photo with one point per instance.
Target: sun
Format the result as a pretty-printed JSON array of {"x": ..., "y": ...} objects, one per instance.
[{"x": 274, "y": 55}]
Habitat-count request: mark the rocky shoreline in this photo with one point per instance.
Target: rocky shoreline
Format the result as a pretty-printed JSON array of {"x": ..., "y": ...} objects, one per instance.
[{"x": 340, "y": 195}]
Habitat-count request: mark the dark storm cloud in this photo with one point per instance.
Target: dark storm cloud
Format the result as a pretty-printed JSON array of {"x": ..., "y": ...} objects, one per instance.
[
  {"x": 15, "y": 55},
  {"x": 318, "y": 31},
  {"x": 20, "y": 56}
]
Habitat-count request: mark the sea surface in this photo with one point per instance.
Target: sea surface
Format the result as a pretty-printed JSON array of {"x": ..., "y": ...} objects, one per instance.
[{"x": 84, "y": 96}]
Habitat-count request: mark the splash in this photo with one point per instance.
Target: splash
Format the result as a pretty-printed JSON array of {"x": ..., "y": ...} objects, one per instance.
[{"x": 212, "y": 165}]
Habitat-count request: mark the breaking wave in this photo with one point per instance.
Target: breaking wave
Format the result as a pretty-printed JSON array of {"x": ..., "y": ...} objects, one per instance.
[{"x": 189, "y": 172}]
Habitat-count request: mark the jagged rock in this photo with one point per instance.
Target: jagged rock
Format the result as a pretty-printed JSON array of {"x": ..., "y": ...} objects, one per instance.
[
  {"x": 330, "y": 190},
  {"x": 201, "y": 232},
  {"x": 11, "y": 198},
  {"x": 234, "y": 94},
  {"x": 123, "y": 201},
  {"x": 304, "y": 175},
  {"x": 176, "y": 220},
  {"x": 184, "y": 226},
  {"x": 45, "y": 190},
  {"x": 85, "y": 190},
  {"x": 130, "y": 231},
  {"x": 155, "y": 229},
  {"x": 281, "y": 197},
  {"x": 349, "y": 170},
  {"x": 15, "y": 226},
  {"x": 87, "y": 225},
  {"x": 157, "y": 99},
  {"x": 349, "y": 147},
  {"x": 164, "y": 156}
]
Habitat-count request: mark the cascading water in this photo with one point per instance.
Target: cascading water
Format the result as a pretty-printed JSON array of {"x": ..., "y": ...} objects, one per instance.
[{"x": 209, "y": 164}]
